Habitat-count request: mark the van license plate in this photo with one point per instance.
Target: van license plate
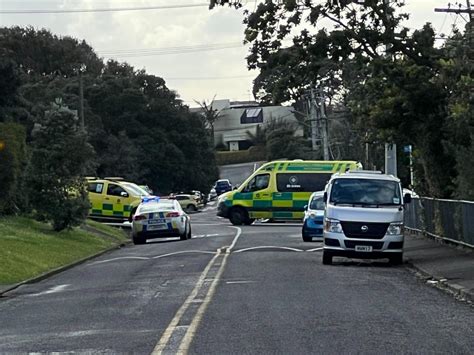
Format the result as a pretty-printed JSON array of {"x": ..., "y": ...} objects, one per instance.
[{"x": 364, "y": 248}]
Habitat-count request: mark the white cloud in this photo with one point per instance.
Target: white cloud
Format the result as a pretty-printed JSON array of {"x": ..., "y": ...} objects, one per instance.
[{"x": 172, "y": 28}]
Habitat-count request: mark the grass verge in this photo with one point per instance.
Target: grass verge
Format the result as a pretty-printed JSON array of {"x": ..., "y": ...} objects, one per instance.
[{"x": 29, "y": 248}]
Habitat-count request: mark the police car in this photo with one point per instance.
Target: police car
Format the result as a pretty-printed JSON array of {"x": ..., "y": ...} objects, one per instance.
[{"x": 155, "y": 218}]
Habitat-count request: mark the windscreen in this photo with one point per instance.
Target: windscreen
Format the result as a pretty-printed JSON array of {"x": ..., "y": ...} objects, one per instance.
[
  {"x": 317, "y": 203},
  {"x": 365, "y": 192},
  {"x": 137, "y": 190},
  {"x": 156, "y": 206}
]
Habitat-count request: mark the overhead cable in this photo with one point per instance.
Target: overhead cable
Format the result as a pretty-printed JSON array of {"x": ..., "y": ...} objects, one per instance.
[{"x": 112, "y": 9}]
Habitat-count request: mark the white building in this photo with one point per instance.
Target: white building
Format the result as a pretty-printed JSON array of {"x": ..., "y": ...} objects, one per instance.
[{"x": 236, "y": 118}]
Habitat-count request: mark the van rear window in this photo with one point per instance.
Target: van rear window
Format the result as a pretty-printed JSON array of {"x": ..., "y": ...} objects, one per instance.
[{"x": 295, "y": 182}]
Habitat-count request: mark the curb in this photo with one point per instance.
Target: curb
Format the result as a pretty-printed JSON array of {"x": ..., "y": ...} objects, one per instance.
[
  {"x": 442, "y": 284},
  {"x": 62, "y": 268}
]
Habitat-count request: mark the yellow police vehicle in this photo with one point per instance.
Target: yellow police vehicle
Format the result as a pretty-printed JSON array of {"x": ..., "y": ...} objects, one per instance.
[
  {"x": 113, "y": 199},
  {"x": 279, "y": 190}
]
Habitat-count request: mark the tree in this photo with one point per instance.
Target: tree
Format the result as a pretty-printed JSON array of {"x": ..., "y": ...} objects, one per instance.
[
  {"x": 60, "y": 158},
  {"x": 210, "y": 115},
  {"x": 13, "y": 158}
]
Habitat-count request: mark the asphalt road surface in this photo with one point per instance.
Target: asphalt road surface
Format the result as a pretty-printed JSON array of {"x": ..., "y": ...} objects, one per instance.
[{"x": 255, "y": 290}]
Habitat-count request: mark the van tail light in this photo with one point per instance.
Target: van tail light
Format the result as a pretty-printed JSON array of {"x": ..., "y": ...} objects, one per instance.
[
  {"x": 172, "y": 214},
  {"x": 139, "y": 217}
]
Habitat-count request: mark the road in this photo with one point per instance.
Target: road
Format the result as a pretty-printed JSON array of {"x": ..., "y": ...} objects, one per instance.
[{"x": 254, "y": 289}]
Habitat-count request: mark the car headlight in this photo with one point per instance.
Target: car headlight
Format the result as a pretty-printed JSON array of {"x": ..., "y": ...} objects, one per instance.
[
  {"x": 395, "y": 229},
  {"x": 312, "y": 215},
  {"x": 332, "y": 226}
]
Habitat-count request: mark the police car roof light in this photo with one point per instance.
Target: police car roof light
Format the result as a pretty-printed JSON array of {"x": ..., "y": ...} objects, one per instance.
[{"x": 148, "y": 199}]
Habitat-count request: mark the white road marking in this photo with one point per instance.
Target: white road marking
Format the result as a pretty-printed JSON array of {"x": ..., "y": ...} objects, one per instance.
[
  {"x": 240, "y": 282},
  {"x": 191, "y": 331},
  {"x": 315, "y": 249},
  {"x": 121, "y": 258},
  {"x": 239, "y": 232},
  {"x": 160, "y": 346},
  {"x": 184, "y": 252},
  {"x": 267, "y": 247},
  {"x": 54, "y": 289}
]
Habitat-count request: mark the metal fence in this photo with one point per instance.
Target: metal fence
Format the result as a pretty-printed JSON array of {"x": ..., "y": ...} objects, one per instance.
[{"x": 451, "y": 220}]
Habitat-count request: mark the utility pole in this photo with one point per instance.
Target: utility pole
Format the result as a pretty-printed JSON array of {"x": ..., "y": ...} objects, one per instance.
[
  {"x": 468, "y": 10},
  {"x": 313, "y": 114},
  {"x": 324, "y": 125}
]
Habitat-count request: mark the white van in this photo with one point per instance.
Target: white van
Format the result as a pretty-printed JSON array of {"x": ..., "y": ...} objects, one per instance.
[{"x": 364, "y": 216}]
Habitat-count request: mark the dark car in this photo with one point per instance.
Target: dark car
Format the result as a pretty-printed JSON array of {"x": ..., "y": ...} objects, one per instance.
[{"x": 222, "y": 186}]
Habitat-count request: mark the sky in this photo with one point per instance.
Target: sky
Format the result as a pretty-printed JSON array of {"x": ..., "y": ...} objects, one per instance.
[{"x": 164, "y": 42}]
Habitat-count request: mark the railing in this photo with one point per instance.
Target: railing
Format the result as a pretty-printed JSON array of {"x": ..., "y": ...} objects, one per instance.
[{"x": 450, "y": 220}]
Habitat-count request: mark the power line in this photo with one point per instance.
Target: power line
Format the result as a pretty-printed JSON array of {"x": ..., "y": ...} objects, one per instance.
[
  {"x": 212, "y": 77},
  {"x": 169, "y": 50},
  {"x": 115, "y": 9}
]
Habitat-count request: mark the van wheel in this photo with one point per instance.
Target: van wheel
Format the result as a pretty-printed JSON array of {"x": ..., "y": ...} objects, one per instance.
[
  {"x": 249, "y": 221},
  {"x": 238, "y": 216},
  {"x": 327, "y": 258},
  {"x": 396, "y": 259},
  {"x": 306, "y": 238}
]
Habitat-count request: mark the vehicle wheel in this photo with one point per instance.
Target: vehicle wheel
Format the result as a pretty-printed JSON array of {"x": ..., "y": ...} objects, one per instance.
[
  {"x": 184, "y": 236},
  {"x": 130, "y": 218},
  {"x": 138, "y": 240},
  {"x": 396, "y": 259},
  {"x": 249, "y": 221},
  {"x": 189, "y": 232},
  {"x": 306, "y": 238},
  {"x": 327, "y": 258},
  {"x": 191, "y": 208},
  {"x": 238, "y": 216}
]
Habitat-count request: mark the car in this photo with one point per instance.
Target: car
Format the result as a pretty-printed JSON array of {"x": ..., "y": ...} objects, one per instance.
[
  {"x": 278, "y": 190},
  {"x": 112, "y": 199},
  {"x": 156, "y": 217},
  {"x": 222, "y": 185},
  {"x": 313, "y": 218},
  {"x": 364, "y": 217},
  {"x": 188, "y": 202},
  {"x": 146, "y": 188}
]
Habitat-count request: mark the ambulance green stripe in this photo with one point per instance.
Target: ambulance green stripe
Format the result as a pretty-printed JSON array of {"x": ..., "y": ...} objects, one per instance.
[
  {"x": 118, "y": 213},
  {"x": 262, "y": 203},
  {"x": 96, "y": 211},
  {"x": 283, "y": 215},
  {"x": 107, "y": 207}
]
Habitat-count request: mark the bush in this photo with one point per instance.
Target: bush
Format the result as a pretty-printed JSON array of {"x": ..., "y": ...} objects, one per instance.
[
  {"x": 256, "y": 153},
  {"x": 60, "y": 158}
]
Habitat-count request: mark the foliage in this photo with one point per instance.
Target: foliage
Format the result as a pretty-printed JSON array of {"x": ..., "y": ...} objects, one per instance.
[
  {"x": 253, "y": 154},
  {"x": 395, "y": 83},
  {"x": 13, "y": 158},
  {"x": 60, "y": 158},
  {"x": 138, "y": 127}
]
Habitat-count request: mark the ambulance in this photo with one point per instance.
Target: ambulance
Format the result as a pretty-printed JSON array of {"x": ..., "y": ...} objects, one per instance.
[{"x": 279, "y": 190}]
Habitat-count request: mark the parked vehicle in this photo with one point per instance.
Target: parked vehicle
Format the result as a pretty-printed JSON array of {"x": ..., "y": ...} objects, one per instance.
[
  {"x": 187, "y": 202},
  {"x": 279, "y": 190},
  {"x": 364, "y": 217},
  {"x": 313, "y": 218},
  {"x": 157, "y": 218},
  {"x": 222, "y": 185},
  {"x": 212, "y": 194},
  {"x": 114, "y": 200}
]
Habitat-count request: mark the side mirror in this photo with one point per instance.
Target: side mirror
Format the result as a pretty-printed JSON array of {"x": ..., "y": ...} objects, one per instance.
[
  {"x": 325, "y": 197},
  {"x": 407, "y": 198},
  {"x": 124, "y": 194},
  {"x": 305, "y": 207}
]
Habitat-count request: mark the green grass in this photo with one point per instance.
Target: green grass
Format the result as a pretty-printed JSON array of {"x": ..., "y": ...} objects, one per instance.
[{"x": 29, "y": 248}]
